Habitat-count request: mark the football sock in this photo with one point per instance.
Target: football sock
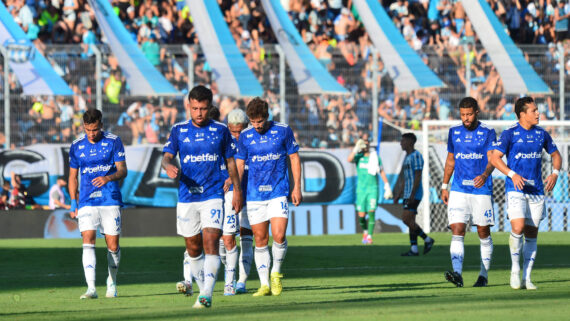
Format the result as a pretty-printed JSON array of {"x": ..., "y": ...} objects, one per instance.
[
  {"x": 222, "y": 251},
  {"x": 279, "y": 250},
  {"x": 457, "y": 252},
  {"x": 414, "y": 241},
  {"x": 197, "y": 269},
  {"x": 231, "y": 262},
  {"x": 186, "y": 267},
  {"x": 89, "y": 262},
  {"x": 211, "y": 266},
  {"x": 245, "y": 257},
  {"x": 113, "y": 259},
  {"x": 529, "y": 254},
  {"x": 486, "y": 254},
  {"x": 371, "y": 222},
  {"x": 423, "y": 235},
  {"x": 262, "y": 261},
  {"x": 362, "y": 221},
  {"x": 515, "y": 245}
]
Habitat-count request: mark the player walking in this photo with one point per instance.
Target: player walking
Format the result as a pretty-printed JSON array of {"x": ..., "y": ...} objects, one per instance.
[
  {"x": 99, "y": 158},
  {"x": 264, "y": 147},
  {"x": 523, "y": 144},
  {"x": 237, "y": 121},
  {"x": 468, "y": 154},
  {"x": 412, "y": 171},
  {"x": 202, "y": 145}
]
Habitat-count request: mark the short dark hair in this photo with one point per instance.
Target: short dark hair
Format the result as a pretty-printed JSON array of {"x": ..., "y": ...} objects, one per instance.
[
  {"x": 214, "y": 113},
  {"x": 410, "y": 136},
  {"x": 92, "y": 115},
  {"x": 469, "y": 102},
  {"x": 201, "y": 93},
  {"x": 257, "y": 108},
  {"x": 521, "y": 105}
]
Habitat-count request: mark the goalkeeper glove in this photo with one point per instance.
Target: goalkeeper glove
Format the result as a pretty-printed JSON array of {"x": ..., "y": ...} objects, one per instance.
[
  {"x": 360, "y": 145},
  {"x": 387, "y": 191}
]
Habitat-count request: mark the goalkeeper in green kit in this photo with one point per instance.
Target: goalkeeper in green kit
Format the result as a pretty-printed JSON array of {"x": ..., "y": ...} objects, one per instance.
[{"x": 368, "y": 166}]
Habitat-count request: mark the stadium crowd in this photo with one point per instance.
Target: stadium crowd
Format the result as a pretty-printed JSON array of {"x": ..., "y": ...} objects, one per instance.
[{"x": 333, "y": 31}]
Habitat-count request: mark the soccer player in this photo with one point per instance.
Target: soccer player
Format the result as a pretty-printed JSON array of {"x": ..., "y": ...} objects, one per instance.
[
  {"x": 237, "y": 121},
  {"x": 99, "y": 157},
  {"x": 368, "y": 165},
  {"x": 203, "y": 145},
  {"x": 523, "y": 144},
  {"x": 468, "y": 154},
  {"x": 412, "y": 171},
  {"x": 264, "y": 147}
]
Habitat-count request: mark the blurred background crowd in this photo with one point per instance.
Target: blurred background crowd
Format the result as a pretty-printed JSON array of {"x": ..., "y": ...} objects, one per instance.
[{"x": 442, "y": 35}]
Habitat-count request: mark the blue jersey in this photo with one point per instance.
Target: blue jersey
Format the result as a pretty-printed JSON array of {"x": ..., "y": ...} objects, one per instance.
[
  {"x": 266, "y": 156},
  {"x": 202, "y": 151},
  {"x": 93, "y": 160},
  {"x": 470, "y": 147},
  {"x": 244, "y": 176},
  {"x": 412, "y": 163},
  {"x": 523, "y": 149}
]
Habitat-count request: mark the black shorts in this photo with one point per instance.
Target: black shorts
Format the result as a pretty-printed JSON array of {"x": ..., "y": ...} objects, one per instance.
[{"x": 411, "y": 205}]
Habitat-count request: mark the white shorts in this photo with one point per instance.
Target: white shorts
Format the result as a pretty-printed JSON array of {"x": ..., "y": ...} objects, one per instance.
[
  {"x": 106, "y": 218},
  {"x": 464, "y": 206},
  {"x": 263, "y": 211},
  {"x": 527, "y": 206},
  {"x": 231, "y": 223},
  {"x": 191, "y": 218}
]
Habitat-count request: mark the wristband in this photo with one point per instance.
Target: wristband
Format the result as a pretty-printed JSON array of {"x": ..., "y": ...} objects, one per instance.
[
  {"x": 443, "y": 186},
  {"x": 556, "y": 172},
  {"x": 511, "y": 174},
  {"x": 73, "y": 205}
]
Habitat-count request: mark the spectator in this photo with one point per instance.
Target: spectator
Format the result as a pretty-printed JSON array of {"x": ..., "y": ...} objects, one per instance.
[
  {"x": 151, "y": 50},
  {"x": 5, "y": 195},
  {"x": 57, "y": 195}
]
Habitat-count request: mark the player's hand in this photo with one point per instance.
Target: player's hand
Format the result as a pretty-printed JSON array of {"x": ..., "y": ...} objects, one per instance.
[
  {"x": 518, "y": 182},
  {"x": 296, "y": 196},
  {"x": 445, "y": 196},
  {"x": 73, "y": 209},
  {"x": 99, "y": 181},
  {"x": 550, "y": 182},
  {"x": 360, "y": 145},
  {"x": 479, "y": 181},
  {"x": 237, "y": 200},
  {"x": 227, "y": 185},
  {"x": 172, "y": 171}
]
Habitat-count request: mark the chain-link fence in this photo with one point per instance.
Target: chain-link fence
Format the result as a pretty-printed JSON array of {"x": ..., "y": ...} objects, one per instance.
[
  {"x": 557, "y": 201},
  {"x": 319, "y": 121}
]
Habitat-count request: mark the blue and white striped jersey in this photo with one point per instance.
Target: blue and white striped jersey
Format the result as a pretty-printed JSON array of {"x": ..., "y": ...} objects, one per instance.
[
  {"x": 94, "y": 160},
  {"x": 413, "y": 162}
]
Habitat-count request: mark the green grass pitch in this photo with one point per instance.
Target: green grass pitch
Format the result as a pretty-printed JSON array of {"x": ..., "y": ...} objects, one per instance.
[{"x": 326, "y": 278}]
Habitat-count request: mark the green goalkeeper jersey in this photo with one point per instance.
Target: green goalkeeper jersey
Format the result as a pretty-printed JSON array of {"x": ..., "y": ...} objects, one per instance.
[{"x": 366, "y": 181}]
